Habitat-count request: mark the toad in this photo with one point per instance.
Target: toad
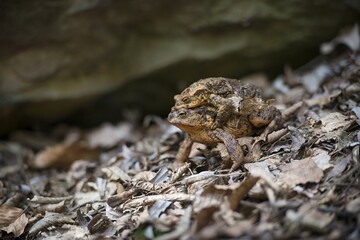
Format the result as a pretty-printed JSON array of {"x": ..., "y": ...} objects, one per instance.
[
  {"x": 197, "y": 124},
  {"x": 214, "y": 110},
  {"x": 222, "y": 94},
  {"x": 254, "y": 115}
]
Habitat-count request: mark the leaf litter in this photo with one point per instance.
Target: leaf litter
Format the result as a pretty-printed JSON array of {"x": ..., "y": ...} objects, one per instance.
[{"x": 121, "y": 181}]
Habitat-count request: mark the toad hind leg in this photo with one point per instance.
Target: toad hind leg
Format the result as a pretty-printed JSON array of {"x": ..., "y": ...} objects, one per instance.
[
  {"x": 271, "y": 117},
  {"x": 275, "y": 123},
  {"x": 233, "y": 147}
]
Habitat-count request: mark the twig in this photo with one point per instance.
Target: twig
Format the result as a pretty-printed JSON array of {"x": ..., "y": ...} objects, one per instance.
[{"x": 180, "y": 197}]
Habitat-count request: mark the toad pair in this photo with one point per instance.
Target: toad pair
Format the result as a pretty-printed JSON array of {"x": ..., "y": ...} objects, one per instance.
[{"x": 219, "y": 110}]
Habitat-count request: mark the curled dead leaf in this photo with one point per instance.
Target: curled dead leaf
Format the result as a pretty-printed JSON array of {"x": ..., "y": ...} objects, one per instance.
[
  {"x": 142, "y": 201},
  {"x": 353, "y": 206},
  {"x": 310, "y": 217},
  {"x": 321, "y": 158},
  {"x": 214, "y": 195},
  {"x": 12, "y": 220},
  {"x": 108, "y": 135},
  {"x": 49, "y": 200},
  {"x": 62, "y": 156},
  {"x": 50, "y": 219},
  {"x": 56, "y": 207},
  {"x": 335, "y": 121},
  {"x": 181, "y": 228},
  {"x": 99, "y": 224},
  {"x": 299, "y": 172},
  {"x": 322, "y": 100}
]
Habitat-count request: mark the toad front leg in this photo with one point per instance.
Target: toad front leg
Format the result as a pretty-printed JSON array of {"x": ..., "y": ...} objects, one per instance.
[{"x": 184, "y": 151}]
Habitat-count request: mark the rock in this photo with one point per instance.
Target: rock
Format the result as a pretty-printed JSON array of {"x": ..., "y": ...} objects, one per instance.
[{"x": 58, "y": 56}]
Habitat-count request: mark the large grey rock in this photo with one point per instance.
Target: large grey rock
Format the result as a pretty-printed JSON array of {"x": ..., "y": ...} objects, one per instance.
[{"x": 58, "y": 56}]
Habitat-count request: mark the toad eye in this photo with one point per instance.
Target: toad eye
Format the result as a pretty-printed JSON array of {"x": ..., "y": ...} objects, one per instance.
[
  {"x": 182, "y": 113},
  {"x": 185, "y": 99}
]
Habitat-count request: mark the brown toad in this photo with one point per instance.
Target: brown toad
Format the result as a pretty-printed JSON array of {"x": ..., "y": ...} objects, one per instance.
[
  {"x": 197, "y": 122},
  {"x": 222, "y": 94},
  {"x": 235, "y": 109}
]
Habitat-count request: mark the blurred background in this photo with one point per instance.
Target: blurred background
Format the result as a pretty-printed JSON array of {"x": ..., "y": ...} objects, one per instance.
[{"x": 84, "y": 62}]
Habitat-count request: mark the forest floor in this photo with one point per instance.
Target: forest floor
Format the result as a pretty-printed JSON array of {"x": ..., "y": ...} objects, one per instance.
[{"x": 119, "y": 181}]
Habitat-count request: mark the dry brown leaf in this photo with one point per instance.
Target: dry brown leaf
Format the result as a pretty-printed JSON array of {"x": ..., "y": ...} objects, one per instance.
[
  {"x": 179, "y": 172},
  {"x": 99, "y": 224},
  {"x": 241, "y": 191},
  {"x": 276, "y": 135},
  {"x": 356, "y": 154},
  {"x": 293, "y": 95},
  {"x": 148, "y": 186},
  {"x": 162, "y": 176},
  {"x": 205, "y": 175},
  {"x": 131, "y": 159},
  {"x": 200, "y": 185},
  {"x": 261, "y": 169},
  {"x": 199, "y": 181},
  {"x": 204, "y": 216},
  {"x": 353, "y": 206},
  {"x": 313, "y": 79},
  {"x": 299, "y": 172},
  {"x": 158, "y": 207},
  {"x": 56, "y": 207},
  {"x": 108, "y": 135},
  {"x": 181, "y": 228},
  {"x": 142, "y": 201},
  {"x": 116, "y": 174},
  {"x": 356, "y": 110},
  {"x": 49, "y": 200},
  {"x": 144, "y": 175},
  {"x": 214, "y": 195},
  {"x": 310, "y": 217},
  {"x": 12, "y": 220},
  {"x": 123, "y": 221},
  {"x": 18, "y": 226},
  {"x": 322, "y": 100},
  {"x": 297, "y": 138},
  {"x": 120, "y": 198},
  {"x": 211, "y": 199},
  {"x": 196, "y": 149},
  {"x": 255, "y": 152},
  {"x": 238, "y": 228},
  {"x": 78, "y": 171},
  {"x": 62, "y": 156},
  {"x": 340, "y": 166},
  {"x": 101, "y": 184},
  {"x": 71, "y": 232},
  {"x": 168, "y": 220},
  {"x": 335, "y": 121},
  {"x": 9, "y": 214},
  {"x": 321, "y": 158},
  {"x": 140, "y": 217},
  {"x": 82, "y": 198}
]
